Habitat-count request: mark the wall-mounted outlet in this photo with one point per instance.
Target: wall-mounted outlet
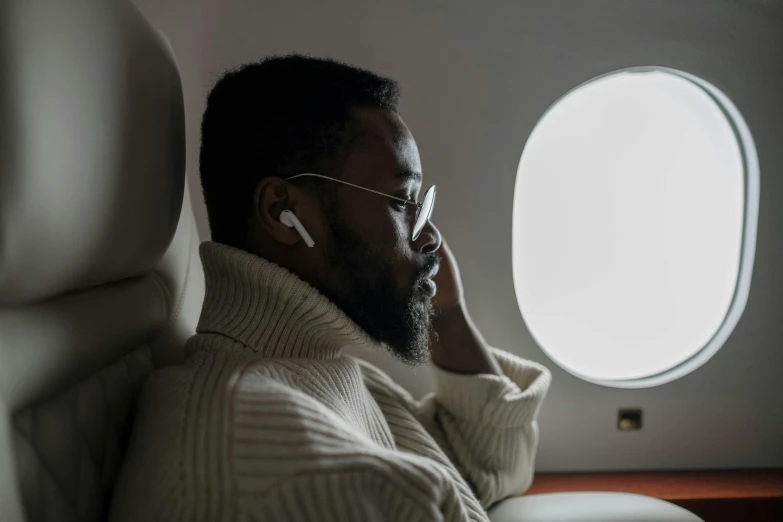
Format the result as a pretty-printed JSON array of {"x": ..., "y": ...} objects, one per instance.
[{"x": 629, "y": 420}]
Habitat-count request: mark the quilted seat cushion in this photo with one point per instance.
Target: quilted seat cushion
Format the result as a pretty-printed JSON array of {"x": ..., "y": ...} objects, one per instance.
[{"x": 80, "y": 433}]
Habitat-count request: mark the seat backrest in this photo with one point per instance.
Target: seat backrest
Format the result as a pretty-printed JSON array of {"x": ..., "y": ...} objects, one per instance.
[{"x": 100, "y": 280}]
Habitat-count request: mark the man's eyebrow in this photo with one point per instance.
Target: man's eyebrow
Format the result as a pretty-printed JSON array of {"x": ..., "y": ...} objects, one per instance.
[{"x": 409, "y": 175}]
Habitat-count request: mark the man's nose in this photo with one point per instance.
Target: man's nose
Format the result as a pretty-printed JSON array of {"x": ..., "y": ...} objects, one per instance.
[{"x": 429, "y": 240}]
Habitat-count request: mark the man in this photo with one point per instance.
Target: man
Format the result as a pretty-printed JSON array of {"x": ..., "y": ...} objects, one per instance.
[{"x": 311, "y": 181}]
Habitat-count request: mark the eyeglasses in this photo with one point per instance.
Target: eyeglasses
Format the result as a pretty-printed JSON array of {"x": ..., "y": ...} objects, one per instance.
[{"x": 422, "y": 214}]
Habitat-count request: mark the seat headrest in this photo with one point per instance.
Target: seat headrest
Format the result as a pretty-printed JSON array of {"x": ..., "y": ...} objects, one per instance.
[{"x": 92, "y": 152}]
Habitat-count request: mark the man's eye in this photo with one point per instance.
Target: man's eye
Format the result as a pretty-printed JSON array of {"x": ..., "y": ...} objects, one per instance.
[{"x": 399, "y": 205}]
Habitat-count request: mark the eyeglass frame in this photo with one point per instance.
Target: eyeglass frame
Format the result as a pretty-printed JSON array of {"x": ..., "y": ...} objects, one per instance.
[{"x": 418, "y": 205}]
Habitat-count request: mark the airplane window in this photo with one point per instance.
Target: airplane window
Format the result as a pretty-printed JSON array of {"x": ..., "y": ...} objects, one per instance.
[{"x": 634, "y": 226}]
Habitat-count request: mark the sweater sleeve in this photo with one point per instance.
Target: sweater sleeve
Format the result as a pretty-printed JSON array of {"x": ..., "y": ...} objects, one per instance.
[
  {"x": 293, "y": 459},
  {"x": 487, "y": 424},
  {"x": 366, "y": 493}
]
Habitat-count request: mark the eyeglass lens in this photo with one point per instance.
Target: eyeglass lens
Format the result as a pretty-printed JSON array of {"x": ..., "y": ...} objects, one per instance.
[{"x": 425, "y": 211}]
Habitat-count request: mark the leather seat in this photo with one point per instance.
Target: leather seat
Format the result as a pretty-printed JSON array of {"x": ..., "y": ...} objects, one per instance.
[{"x": 100, "y": 281}]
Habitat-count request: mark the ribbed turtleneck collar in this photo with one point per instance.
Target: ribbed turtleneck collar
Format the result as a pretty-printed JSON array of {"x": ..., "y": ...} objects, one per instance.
[{"x": 269, "y": 309}]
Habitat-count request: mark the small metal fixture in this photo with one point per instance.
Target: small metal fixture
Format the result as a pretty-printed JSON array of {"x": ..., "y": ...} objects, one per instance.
[{"x": 629, "y": 420}]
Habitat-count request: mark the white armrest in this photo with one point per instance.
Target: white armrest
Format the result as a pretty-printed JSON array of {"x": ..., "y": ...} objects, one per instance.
[{"x": 589, "y": 507}]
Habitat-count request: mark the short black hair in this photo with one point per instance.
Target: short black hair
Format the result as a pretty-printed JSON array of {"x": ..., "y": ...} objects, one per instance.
[{"x": 280, "y": 116}]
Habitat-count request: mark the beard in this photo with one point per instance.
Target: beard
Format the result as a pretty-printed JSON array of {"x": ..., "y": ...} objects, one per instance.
[{"x": 366, "y": 290}]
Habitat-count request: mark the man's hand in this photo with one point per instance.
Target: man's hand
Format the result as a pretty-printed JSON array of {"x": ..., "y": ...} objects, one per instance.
[
  {"x": 450, "y": 291},
  {"x": 457, "y": 345}
]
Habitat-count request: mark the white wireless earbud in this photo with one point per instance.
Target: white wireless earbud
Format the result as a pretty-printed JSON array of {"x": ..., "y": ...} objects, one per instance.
[{"x": 289, "y": 219}]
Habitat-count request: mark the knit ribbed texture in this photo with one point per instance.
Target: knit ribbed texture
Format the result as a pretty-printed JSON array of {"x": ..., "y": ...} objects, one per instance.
[{"x": 267, "y": 421}]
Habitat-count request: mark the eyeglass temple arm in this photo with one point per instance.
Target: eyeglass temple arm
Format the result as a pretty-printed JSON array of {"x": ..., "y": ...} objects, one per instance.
[{"x": 356, "y": 186}]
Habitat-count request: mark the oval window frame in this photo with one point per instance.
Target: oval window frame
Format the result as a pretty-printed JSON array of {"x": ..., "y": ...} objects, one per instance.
[{"x": 751, "y": 184}]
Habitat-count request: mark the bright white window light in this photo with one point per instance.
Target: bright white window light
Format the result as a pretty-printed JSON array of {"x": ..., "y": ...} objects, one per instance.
[{"x": 634, "y": 226}]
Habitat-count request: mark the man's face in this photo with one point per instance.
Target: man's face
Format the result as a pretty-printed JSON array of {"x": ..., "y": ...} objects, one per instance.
[{"x": 373, "y": 270}]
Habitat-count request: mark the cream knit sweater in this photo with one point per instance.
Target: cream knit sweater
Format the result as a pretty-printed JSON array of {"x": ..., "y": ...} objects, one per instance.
[{"x": 266, "y": 420}]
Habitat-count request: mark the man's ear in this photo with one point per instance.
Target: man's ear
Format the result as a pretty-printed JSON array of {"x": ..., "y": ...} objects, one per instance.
[{"x": 272, "y": 197}]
